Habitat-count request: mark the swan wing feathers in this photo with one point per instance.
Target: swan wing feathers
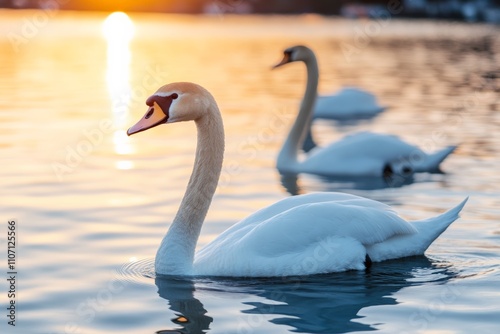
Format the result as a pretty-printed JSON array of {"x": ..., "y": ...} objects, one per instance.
[
  {"x": 306, "y": 224},
  {"x": 239, "y": 229},
  {"x": 369, "y": 144},
  {"x": 296, "y": 230},
  {"x": 347, "y": 103},
  {"x": 363, "y": 153}
]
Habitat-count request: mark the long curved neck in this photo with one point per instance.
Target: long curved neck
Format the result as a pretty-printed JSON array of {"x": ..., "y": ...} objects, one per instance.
[
  {"x": 288, "y": 156},
  {"x": 176, "y": 253}
]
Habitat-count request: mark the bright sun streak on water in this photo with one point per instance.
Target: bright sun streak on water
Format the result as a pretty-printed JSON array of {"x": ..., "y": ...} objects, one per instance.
[{"x": 118, "y": 29}]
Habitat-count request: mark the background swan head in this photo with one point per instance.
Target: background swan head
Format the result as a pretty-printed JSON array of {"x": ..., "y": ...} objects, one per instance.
[
  {"x": 295, "y": 53},
  {"x": 174, "y": 102}
]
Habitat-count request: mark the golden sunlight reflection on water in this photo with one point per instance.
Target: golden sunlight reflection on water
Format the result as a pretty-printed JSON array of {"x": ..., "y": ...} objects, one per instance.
[
  {"x": 118, "y": 29},
  {"x": 113, "y": 197}
]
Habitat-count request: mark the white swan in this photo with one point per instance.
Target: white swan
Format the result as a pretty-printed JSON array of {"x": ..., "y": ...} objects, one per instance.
[
  {"x": 307, "y": 234},
  {"x": 360, "y": 154},
  {"x": 347, "y": 104}
]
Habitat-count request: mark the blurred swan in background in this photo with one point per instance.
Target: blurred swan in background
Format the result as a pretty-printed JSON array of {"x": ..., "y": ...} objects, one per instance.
[
  {"x": 336, "y": 231},
  {"x": 347, "y": 104},
  {"x": 359, "y": 154}
]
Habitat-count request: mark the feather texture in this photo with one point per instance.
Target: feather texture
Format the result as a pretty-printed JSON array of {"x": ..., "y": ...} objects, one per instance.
[{"x": 301, "y": 235}]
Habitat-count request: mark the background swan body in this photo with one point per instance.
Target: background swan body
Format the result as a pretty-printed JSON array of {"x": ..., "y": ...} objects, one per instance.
[
  {"x": 307, "y": 234},
  {"x": 369, "y": 154},
  {"x": 347, "y": 104},
  {"x": 361, "y": 154}
]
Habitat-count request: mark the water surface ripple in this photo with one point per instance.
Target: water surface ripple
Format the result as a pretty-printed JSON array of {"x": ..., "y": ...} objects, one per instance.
[{"x": 93, "y": 204}]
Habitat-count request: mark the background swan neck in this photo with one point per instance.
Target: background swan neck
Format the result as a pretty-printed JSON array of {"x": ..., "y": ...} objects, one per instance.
[
  {"x": 288, "y": 155},
  {"x": 176, "y": 253}
]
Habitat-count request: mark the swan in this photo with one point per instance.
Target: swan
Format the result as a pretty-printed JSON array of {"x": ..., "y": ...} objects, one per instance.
[
  {"x": 300, "y": 235},
  {"x": 359, "y": 154},
  {"x": 347, "y": 104}
]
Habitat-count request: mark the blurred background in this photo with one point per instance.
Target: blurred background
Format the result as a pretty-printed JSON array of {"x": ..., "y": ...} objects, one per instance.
[
  {"x": 93, "y": 204},
  {"x": 470, "y": 10}
]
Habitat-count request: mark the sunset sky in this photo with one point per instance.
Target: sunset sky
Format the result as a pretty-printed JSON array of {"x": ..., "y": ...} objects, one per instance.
[
  {"x": 153, "y": 5},
  {"x": 189, "y": 6}
]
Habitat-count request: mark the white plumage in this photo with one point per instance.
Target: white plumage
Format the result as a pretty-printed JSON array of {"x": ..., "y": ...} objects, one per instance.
[
  {"x": 316, "y": 233},
  {"x": 359, "y": 154},
  {"x": 368, "y": 154},
  {"x": 301, "y": 235},
  {"x": 349, "y": 103}
]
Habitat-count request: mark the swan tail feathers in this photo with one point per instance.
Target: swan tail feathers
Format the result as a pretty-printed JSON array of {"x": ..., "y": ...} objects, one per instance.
[
  {"x": 454, "y": 213},
  {"x": 416, "y": 243},
  {"x": 432, "y": 228},
  {"x": 432, "y": 161}
]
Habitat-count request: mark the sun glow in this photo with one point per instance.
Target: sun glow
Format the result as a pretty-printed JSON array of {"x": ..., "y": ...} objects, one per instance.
[{"x": 118, "y": 29}]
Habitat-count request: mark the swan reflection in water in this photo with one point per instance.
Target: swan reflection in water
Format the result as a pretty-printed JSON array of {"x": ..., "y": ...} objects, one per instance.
[
  {"x": 191, "y": 315},
  {"x": 328, "y": 303}
]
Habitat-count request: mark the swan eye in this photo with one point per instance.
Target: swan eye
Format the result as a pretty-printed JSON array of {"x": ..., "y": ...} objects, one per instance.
[
  {"x": 174, "y": 96},
  {"x": 150, "y": 112}
]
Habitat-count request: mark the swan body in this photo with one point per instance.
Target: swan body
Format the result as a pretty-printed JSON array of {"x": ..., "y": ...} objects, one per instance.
[
  {"x": 360, "y": 154},
  {"x": 307, "y": 234},
  {"x": 347, "y": 104},
  {"x": 368, "y": 154},
  {"x": 316, "y": 233}
]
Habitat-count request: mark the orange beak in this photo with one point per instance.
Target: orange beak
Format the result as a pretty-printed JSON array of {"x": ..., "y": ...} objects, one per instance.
[{"x": 153, "y": 117}]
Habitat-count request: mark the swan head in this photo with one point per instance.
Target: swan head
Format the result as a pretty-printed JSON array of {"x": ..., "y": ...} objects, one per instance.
[
  {"x": 174, "y": 102},
  {"x": 295, "y": 53}
]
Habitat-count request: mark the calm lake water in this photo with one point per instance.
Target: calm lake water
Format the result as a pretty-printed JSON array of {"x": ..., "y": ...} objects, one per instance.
[{"x": 92, "y": 205}]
